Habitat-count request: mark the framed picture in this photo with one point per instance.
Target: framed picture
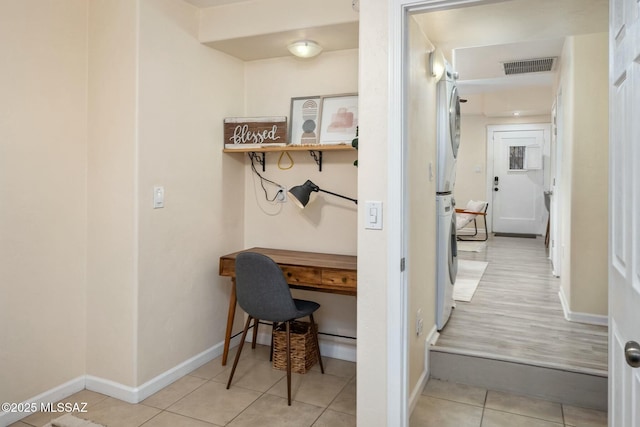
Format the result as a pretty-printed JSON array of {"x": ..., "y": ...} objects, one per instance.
[
  {"x": 338, "y": 119},
  {"x": 305, "y": 120}
]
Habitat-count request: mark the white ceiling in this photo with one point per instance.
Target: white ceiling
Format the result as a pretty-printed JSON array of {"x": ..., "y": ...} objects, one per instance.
[
  {"x": 480, "y": 38},
  {"x": 273, "y": 45},
  {"x": 476, "y": 39}
]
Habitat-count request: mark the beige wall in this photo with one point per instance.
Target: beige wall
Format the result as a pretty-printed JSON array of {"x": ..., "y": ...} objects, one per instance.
[
  {"x": 372, "y": 244},
  {"x": 590, "y": 182},
  {"x": 584, "y": 276},
  {"x": 421, "y": 151},
  {"x": 111, "y": 167},
  {"x": 93, "y": 119},
  {"x": 43, "y": 114},
  {"x": 327, "y": 224},
  {"x": 185, "y": 89}
]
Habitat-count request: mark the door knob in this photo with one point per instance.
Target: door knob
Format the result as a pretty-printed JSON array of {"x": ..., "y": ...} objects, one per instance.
[{"x": 632, "y": 354}]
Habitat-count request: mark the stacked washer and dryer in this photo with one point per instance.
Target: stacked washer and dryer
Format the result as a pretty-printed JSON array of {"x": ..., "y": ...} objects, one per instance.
[{"x": 448, "y": 141}]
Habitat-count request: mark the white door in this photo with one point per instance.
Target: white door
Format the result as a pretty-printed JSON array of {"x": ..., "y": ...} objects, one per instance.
[
  {"x": 624, "y": 214},
  {"x": 518, "y": 181},
  {"x": 555, "y": 232}
]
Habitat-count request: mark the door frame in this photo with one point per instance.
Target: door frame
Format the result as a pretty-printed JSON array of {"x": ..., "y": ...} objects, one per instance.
[
  {"x": 397, "y": 211},
  {"x": 555, "y": 233},
  {"x": 491, "y": 129}
]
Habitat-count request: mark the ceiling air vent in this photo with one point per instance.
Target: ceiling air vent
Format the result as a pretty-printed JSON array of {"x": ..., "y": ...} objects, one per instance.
[{"x": 528, "y": 65}]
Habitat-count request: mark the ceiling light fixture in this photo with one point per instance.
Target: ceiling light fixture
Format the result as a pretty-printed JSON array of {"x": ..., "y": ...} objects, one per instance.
[{"x": 305, "y": 48}]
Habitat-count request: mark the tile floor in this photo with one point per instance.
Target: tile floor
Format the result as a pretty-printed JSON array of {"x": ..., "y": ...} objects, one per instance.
[
  {"x": 258, "y": 396},
  {"x": 445, "y": 404}
]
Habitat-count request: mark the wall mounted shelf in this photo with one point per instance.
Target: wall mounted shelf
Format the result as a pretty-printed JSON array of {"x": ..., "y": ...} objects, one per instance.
[{"x": 314, "y": 150}]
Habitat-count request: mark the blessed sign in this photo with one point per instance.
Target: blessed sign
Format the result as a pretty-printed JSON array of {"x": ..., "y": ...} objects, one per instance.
[{"x": 250, "y": 132}]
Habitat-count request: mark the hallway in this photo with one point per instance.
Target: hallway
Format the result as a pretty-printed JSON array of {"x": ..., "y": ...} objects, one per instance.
[{"x": 516, "y": 313}]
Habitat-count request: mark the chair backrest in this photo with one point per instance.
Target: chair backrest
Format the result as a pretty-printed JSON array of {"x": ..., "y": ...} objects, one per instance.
[
  {"x": 465, "y": 217},
  {"x": 476, "y": 206},
  {"x": 261, "y": 288}
]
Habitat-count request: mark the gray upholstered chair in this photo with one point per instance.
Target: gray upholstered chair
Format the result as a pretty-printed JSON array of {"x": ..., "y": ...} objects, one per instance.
[{"x": 263, "y": 293}]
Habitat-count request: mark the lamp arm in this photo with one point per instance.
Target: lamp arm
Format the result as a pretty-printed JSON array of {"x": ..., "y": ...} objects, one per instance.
[{"x": 339, "y": 195}]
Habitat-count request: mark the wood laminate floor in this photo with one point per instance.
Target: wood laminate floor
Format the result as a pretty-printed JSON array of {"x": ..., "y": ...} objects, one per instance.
[{"x": 516, "y": 312}]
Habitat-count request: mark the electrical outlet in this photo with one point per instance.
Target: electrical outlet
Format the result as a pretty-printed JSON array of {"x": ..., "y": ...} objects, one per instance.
[
  {"x": 281, "y": 195},
  {"x": 419, "y": 322}
]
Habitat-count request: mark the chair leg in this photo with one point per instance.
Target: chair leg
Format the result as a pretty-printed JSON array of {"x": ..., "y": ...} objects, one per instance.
[
  {"x": 288, "y": 327},
  {"x": 314, "y": 326},
  {"x": 486, "y": 230},
  {"x": 256, "y": 322},
  {"x": 235, "y": 362},
  {"x": 275, "y": 324}
]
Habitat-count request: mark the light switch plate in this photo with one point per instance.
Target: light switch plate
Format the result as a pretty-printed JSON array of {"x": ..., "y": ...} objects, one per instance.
[
  {"x": 373, "y": 215},
  {"x": 158, "y": 197}
]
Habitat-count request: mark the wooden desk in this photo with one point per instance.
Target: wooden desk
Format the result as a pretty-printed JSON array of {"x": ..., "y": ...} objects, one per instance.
[{"x": 336, "y": 274}]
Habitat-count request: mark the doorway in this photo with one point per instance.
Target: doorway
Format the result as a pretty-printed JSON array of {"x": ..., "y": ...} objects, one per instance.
[
  {"x": 398, "y": 72},
  {"x": 515, "y": 173}
]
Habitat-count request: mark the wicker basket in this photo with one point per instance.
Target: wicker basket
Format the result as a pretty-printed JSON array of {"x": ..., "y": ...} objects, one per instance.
[{"x": 303, "y": 351}]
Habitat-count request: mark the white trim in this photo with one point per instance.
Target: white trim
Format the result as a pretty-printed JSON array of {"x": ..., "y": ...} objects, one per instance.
[
  {"x": 112, "y": 389},
  {"x": 417, "y": 390},
  {"x": 588, "y": 318},
  {"x": 396, "y": 333},
  {"x": 138, "y": 394},
  {"x": 116, "y": 390},
  {"x": 431, "y": 338},
  {"x": 54, "y": 395}
]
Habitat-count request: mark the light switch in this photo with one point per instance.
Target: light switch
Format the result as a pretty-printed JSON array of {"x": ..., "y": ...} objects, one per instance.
[
  {"x": 373, "y": 215},
  {"x": 158, "y": 197}
]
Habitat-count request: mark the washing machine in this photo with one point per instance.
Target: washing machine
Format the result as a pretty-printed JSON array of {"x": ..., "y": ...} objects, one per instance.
[
  {"x": 446, "y": 258},
  {"x": 448, "y": 130}
]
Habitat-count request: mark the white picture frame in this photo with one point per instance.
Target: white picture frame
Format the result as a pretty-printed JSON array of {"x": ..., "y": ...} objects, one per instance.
[
  {"x": 338, "y": 119},
  {"x": 304, "y": 123}
]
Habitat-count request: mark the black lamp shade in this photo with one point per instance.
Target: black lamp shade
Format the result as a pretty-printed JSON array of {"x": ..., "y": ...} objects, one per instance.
[{"x": 300, "y": 193}]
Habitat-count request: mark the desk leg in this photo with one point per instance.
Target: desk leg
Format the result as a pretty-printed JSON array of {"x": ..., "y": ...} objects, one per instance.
[{"x": 230, "y": 316}]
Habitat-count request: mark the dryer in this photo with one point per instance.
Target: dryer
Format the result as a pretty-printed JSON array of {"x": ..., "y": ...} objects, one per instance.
[
  {"x": 446, "y": 258},
  {"x": 448, "y": 130}
]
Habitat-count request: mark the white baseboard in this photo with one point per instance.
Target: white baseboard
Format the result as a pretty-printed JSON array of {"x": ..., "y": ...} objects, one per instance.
[
  {"x": 571, "y": 316},
  {"x": 50, "y": 396},
  {"x": 417, "y": 390},
  {"x": 431, "y": 338},
  {"x": 334, "y": 347},
  {"x": 111, "y": 388},
  {"x": 116, "y": 390},
  {"x": 138, "y": 394}
]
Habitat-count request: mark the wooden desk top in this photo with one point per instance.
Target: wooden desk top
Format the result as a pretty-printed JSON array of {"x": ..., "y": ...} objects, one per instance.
[{"x": 307, "y": 270}]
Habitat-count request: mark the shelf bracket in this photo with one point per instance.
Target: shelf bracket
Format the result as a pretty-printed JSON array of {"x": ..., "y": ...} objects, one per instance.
[
  {"x": 317, "y": 158},
  {"x": 260, "y": 159}
]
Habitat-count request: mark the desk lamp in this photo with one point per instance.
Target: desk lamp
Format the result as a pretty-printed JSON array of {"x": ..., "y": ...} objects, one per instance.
[{"x": 300, "y": 194}]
